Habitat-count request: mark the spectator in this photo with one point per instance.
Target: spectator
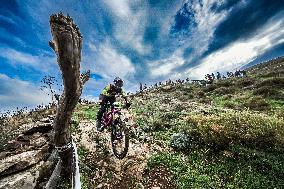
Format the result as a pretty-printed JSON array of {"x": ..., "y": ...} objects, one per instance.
[
  {"x": 218, "y": 75},
  {"x": 141, "y": 87},
  {"x": 213, "y": 76}
]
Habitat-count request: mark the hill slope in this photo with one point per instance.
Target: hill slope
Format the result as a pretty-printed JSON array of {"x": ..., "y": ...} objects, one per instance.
[{"x": 227, "y": 134}]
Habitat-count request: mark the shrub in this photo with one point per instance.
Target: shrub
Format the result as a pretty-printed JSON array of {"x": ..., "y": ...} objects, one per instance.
[
  {"x": 209, "y": 88},
  {"x": 161, "y": 122},
  {"x": 187, "y": 89},
  {"x": 277, "y": 82},
  {"x": 245, "y": 82},
  {"x": 200, "y": 93},
  {"x": 167, "y": 88},
  {"x": 205, "y": 100},
  {"x": 224, "y": 90},
  {"x": 190, "y": 96},
  {"x": 256, "y": 103},
  {"x": 225, "y": 83},
  {"x": 227, "y": 97},
  {"x": 237, "y": 128},
  {"x": 270, "y": 74},
  {"x": 229, "y": 104},
  {"x": 180, "y": 141},
  {"x": 269, "y": 92},
  {"x": 182, "y": 98}
]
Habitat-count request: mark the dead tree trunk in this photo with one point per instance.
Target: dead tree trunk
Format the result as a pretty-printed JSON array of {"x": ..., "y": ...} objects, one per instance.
[{"x": 67, "y": 44}]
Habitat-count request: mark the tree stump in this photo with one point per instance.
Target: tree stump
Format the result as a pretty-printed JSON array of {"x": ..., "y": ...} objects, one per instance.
[{"x": 67, "y": 44}]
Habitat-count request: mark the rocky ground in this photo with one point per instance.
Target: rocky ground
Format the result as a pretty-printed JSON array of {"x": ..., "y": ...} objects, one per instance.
[
  {"x": 28, "y": 162},
  {"x": 110, "y": 172},
  {"x": 28, "y": 159}
]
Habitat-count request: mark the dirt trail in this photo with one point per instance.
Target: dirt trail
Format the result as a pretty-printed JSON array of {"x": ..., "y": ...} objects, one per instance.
[{"x": 111, "y": 172}]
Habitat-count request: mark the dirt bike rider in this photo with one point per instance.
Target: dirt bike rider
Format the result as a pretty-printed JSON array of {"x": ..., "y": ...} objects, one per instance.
[{"x": 108, "y": 95}]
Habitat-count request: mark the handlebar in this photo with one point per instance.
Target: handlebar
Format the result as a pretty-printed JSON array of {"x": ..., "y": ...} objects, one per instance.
[{"x": 119, "y": 105}]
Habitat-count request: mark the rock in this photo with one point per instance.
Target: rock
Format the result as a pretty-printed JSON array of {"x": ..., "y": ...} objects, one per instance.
[
  {"x": 23, "y": 180},
  {"x": 4, "y": 154},
  {"x": 45, "y": 171},
  {"x": 44, "y": 124},
  {"x": 27, "y": 142},
  {"x": 41, "y": 128},
  {"x": 24, "y": 138},
  {"x": 21, "y": 161},
  {"x": 51, "y": 117},
  {"x": 39, "y": 142},
  {"x": 45, "y": 120},
  {"x": 14, "y": 144},
  {"x": 26, "y": 127}
]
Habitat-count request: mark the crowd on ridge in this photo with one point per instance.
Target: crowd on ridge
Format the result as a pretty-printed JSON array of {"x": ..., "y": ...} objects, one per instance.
[{"x": 209, "y": 79}]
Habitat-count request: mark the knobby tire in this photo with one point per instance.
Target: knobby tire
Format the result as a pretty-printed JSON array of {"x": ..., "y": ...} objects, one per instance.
[{"x": 120, "y": 125}]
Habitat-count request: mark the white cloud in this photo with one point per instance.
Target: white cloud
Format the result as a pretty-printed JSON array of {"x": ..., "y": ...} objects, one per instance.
[
  {"x": 130, "y": 18},
  {"x": 206, "y": 21},
  {"x": 229, "y": 58},
  {"x": 198, "y": 40},
  {"x": 95, "y": 85},
  {"x": 120, "y": 7},
  {"x": 18, "y": 57},
  {"x": 92, "y": 47},
  {"x": 18, "y": 93},
  {"x": 109, "y": 63},
  {"x": 129, "y": 25},
  {"x": 240, "y": 52},
  {"x": 105, "y": 61},
  {"x": 42, "y": 62},
  {"x": 166, "y": 66}
]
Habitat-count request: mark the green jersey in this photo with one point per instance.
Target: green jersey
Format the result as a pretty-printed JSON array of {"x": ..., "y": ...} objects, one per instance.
[{"x": 110, "y": 91}]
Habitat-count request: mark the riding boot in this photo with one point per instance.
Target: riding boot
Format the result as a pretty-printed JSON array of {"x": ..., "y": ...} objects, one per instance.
[
  {"x": 98, "y": 125},
  {"x": 99, "y": 118}
]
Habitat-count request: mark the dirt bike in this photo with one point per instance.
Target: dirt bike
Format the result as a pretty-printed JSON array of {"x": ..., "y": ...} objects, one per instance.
[{"x": 112, "y": 120}]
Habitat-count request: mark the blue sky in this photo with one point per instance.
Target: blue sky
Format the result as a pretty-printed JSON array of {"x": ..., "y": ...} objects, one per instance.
[{"x": 140, "y": 41}]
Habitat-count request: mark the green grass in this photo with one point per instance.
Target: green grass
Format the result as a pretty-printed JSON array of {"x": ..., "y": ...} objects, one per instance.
[
  {"x": 249, "y": 152},
  {"x": 246, "y": 168},
  {"x": 248, "y": 100},
  {"x": 85, "y": 169},
  {"x": 238, "y": 147},
  {"x": 88, "y": 112},
  {"x": 63, "y": 184}
]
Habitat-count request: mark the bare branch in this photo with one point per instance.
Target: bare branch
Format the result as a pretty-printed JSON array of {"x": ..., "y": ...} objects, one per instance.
[
  {"x": 51, "y": 44},
  {"x": 85, "y": 77}
]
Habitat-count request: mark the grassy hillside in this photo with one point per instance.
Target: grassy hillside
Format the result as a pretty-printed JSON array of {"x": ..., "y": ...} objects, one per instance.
[{"x": 229, "y": 134}]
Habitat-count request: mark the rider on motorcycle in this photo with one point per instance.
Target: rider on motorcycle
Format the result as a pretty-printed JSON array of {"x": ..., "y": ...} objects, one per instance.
[{"x": 108, "y": 95}]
